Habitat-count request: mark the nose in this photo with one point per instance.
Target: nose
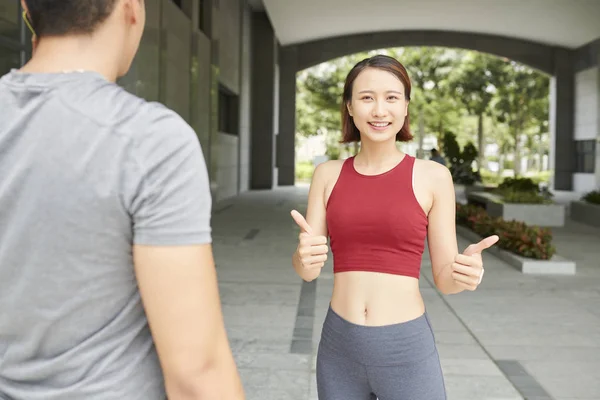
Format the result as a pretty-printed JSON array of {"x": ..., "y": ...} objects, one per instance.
[{"x": 379, "y": 109}]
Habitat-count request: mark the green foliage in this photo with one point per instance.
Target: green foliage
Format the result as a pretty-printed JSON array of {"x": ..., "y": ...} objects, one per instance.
[
  {"x": 333, "y": 148},
  {"x": 592, "y": 197},
  {"x": 304, "y": 171},
  {"x": 430, "y": 69},
  {"x": 460, "y": 161},
  {"x": 514, "y": 196},
  {"x": 319, "y": 95},
  {"x": 519, "y": 184},
  {"x": 472, "y": 82},
  {"x": 540, "y": 177},
  {"x": 522, "y": 191},
  {"x": 516, "y": 237},
  {"x": 469, "y": 153},
  {"x": 521, "y": 103},
  {"x": 464, "y": 92},
  {"x": 489, "y": 178},
  {"x": 451, "y": 148}
]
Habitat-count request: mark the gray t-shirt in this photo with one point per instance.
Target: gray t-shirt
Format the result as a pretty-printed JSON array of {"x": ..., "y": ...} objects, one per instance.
[{"x": 86, "y": 171}]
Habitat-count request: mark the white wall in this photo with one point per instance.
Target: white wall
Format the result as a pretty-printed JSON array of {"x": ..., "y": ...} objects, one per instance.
[
  {"x": 583, "y": 183},
  {"x": 587, "y": 122},
  {"x": 586, "y": 104}
]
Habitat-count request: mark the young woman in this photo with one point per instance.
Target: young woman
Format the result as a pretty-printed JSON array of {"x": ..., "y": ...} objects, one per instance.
[{"x": 377, "y": 209}]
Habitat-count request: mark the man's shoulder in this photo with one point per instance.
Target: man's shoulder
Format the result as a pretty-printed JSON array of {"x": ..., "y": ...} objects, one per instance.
[{"x": 110, "y": 104}]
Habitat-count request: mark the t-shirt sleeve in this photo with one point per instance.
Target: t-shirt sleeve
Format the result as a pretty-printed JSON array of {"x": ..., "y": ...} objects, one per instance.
[{"x": 171, "y": 203}]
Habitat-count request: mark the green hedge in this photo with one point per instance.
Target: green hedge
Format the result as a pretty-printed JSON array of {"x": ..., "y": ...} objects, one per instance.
[
  {"x": 592, "y": 197},
  {"x": 522, "y": 191},
  {"x": 516, "y": 237}
]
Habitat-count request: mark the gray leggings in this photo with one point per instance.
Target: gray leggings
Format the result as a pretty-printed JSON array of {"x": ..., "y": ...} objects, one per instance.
[{"x": 391, "y": 362}]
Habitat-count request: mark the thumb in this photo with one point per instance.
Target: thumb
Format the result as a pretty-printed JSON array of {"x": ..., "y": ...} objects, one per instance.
[
  {"x": 482, "y": 245},
  {"x": 299, "y": 219}
]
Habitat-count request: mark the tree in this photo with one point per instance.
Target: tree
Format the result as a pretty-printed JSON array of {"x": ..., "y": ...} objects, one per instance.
[
  {"x": 460, "y": 161},
  {"x": 521, "y": 93},
  {"x": 431, "y": 107},
  {"x": 473, "y": 85},
  {"x": 319, "y": 101}
]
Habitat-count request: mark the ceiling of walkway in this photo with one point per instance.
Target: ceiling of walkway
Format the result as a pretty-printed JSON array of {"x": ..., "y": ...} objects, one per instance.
[{"x": 568, "y": 23}]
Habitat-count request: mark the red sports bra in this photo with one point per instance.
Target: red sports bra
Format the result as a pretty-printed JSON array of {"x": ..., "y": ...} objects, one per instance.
[{"x": 375, "y": 222}]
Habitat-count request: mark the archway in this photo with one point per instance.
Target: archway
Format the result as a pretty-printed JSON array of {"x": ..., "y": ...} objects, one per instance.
[{"x": 555, "y": 61}]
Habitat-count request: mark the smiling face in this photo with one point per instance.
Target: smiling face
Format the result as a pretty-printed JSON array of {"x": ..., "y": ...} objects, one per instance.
[{"x": 378, "y": 106}]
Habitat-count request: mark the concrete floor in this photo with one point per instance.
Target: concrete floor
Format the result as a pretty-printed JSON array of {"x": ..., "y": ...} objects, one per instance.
[{"x": 516, "y": 337}]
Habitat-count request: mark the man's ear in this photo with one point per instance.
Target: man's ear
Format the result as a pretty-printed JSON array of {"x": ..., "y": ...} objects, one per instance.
[{"x": 133, "y": 9}]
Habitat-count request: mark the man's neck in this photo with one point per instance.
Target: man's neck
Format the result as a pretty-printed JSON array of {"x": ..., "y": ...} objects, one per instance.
[{"x": 69, "y": 54}]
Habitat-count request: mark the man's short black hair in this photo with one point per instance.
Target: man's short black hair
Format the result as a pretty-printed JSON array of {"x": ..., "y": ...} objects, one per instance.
[{"x": 62, "y": 17}]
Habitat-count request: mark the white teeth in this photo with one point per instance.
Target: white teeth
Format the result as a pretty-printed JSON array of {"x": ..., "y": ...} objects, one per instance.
[{"x": 380, "y": 124}]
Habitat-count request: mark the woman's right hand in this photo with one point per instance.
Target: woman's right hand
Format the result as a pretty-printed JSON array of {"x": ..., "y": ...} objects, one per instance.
[{"x": 312, "y": 249}]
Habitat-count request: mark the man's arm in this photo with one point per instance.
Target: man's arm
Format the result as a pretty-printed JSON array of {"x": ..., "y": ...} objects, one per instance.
[
  {"x": 169, "y": 199},
  {"x": 180, "y": 294}
]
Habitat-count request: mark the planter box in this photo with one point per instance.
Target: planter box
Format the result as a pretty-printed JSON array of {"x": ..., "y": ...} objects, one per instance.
[
  {"x": 477, "y": 187},
  {"x": 586, "y": 213},
  {"x": 531, "y": 214},
  {"x": 557, "y": 265}
]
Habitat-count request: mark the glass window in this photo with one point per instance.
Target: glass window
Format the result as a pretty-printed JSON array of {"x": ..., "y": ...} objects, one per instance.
[
  {"x": 228, "y": 111},
  {"x": 585, "y": 156}
]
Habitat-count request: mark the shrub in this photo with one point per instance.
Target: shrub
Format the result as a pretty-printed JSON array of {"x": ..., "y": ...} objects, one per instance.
[
  {"x": 523, "y": 191},
  {"x": 519, "y": 184},
  {"x": 592, "y": 197},
  {"x": 490, "y": 178},
  {"x": 540, "y": 177},
  {"x": 516, "y": 237},
  {"x": 512, "y": 196},
  {"x": 460, "y": 160}
]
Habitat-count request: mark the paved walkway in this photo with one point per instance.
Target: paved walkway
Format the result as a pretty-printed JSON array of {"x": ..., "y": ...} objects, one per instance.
[{"x": 517, "y": 337}]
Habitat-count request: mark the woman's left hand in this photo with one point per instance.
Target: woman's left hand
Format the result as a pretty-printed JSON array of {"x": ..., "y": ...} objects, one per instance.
[{"x": 467, "y": 269}]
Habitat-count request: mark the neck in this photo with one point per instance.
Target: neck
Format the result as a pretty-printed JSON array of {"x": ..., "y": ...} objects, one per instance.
[
  {"x": 376, "y": 154},
  {"x": 73, "y": 53}
]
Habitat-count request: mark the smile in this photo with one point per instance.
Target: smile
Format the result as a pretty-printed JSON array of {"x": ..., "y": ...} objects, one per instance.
[{"x": 379, "y": 124}]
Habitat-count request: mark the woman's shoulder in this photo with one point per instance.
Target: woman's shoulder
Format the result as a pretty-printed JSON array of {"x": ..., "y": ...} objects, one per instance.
[
  {"x": 432, "y": 171},
  {"x": 431, "y": 168},
  {"x": 329, "y": 170}
]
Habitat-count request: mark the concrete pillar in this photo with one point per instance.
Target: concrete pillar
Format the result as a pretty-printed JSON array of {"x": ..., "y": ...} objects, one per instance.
[
  {"x": 286, "y": 139},
  {"x": 562, "y": 118},
  {"x": 264, "y": 52}
]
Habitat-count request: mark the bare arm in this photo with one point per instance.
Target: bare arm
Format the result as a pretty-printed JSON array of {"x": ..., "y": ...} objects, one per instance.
[
  {"x": 179, "y": 290},
  {"x": 311, "y": 254},
  {"x": 441, "y": 235},
  {"x": 167, "y": 190}
]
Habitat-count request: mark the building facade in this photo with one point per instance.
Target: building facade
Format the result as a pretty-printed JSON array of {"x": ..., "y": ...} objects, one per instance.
[{"x": 222, "y": 67}]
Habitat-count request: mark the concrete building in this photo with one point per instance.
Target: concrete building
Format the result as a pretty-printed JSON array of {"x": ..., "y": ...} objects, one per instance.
[{"x": 229, "y": 68}]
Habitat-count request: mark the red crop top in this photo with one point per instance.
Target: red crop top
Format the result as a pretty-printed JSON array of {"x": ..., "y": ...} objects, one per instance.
[{"x": 375, "y": 222}]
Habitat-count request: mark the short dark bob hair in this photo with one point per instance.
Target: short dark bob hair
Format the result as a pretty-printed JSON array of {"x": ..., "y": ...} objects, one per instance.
[{"x": 350, "y": 132}]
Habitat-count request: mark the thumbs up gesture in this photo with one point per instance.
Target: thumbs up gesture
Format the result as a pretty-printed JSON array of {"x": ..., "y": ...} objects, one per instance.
[
  {"x": 312, "y": 249},
  {"x": 467, "y": 269}
]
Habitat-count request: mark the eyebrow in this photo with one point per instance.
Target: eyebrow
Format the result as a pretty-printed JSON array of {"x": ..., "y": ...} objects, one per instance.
[{"x": 371, "y": 91}]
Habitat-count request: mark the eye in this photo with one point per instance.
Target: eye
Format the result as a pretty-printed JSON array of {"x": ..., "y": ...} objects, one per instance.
[
  {"x": 393, "y": 98},
  {"x": 366, "y": 98}
]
